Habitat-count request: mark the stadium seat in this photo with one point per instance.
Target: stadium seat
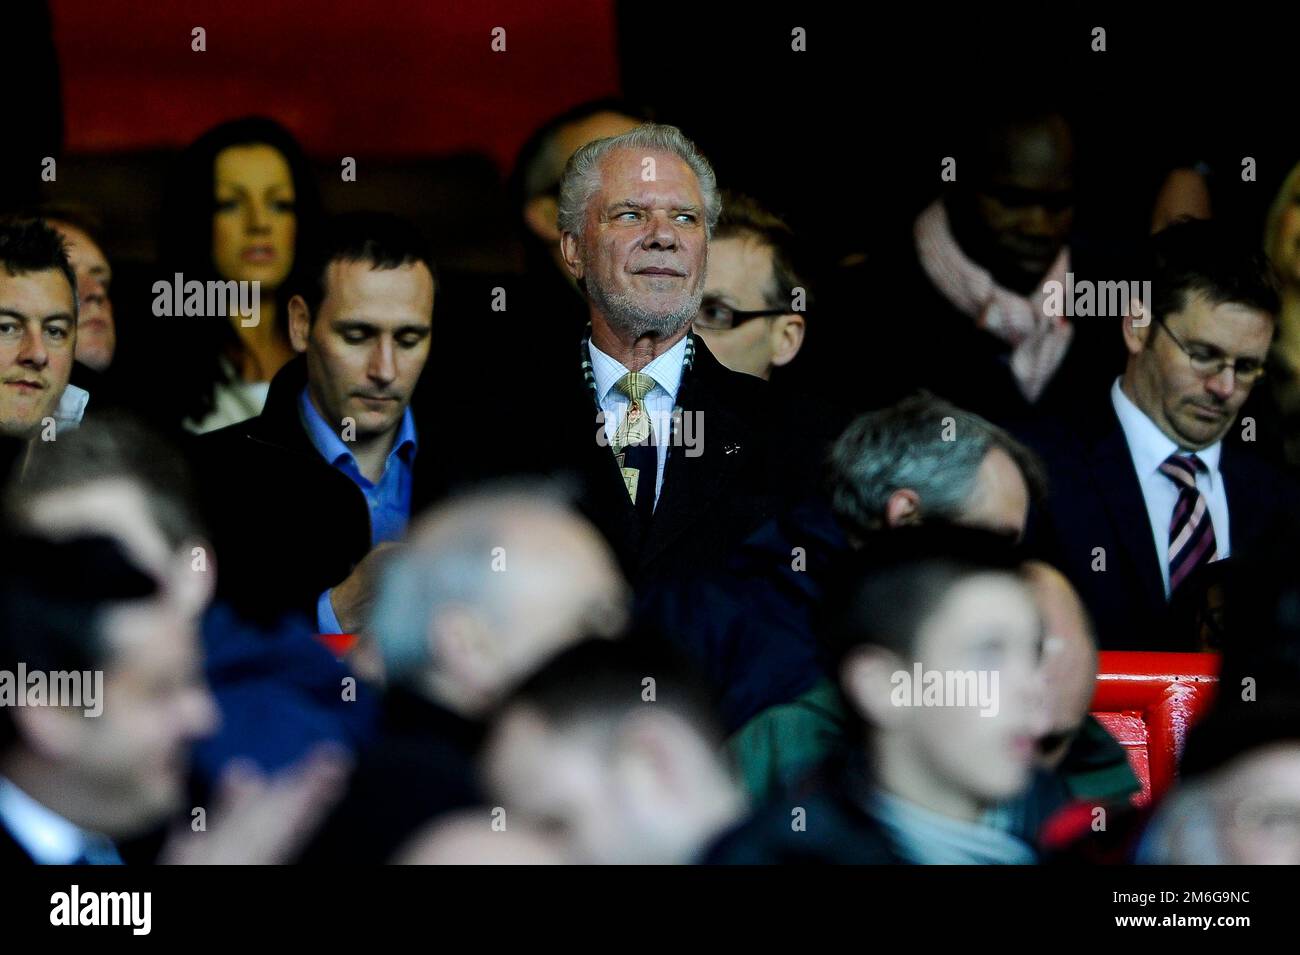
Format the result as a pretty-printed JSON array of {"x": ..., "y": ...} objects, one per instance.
[{"x": 1148, "y": 701}]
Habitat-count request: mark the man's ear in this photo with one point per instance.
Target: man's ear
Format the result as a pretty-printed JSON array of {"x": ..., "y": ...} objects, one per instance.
[
  {"x": 1136, "y": 330},
  {"x": 649, "y": 748},
  {"x": 787, "y": 338},
  {"x": 540, "y": 214},
  {"x": 299, "y": 323},
  {"x": 903, "y": 507},
  {"x": 866, "y": 677},
  {"x": 463, "y": 649},
  {"x": 570, "y": 252}
]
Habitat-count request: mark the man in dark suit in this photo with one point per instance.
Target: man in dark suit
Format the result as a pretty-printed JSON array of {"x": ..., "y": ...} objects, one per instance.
[
  {"x": 673, "y": 451},
  {"x": 1148, "y": 488},
  {"x": 333, "y": 467}
]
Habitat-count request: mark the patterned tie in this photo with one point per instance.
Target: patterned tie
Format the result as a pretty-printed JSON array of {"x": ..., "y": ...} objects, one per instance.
[
  {"x": 634, "y": 443},
  {"x": 1191, "y": 532}
]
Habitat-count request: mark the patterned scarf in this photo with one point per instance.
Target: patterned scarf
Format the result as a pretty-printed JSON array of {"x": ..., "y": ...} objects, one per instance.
[{"x": 1038, "y": 340}]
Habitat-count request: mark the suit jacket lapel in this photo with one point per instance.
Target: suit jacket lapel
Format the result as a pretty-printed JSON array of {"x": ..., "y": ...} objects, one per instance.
[
  {"x": 1117, "y": 483},
  {"x": 606, "y": 500},
  {"x": 1245, "y": 520},
  {"x": 693, "y": 483}
]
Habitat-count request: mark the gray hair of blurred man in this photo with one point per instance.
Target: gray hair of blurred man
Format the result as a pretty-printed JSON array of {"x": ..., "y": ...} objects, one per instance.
[
  {"x": 455, "y": 559},
  {"x": 582, "y": 173},
  {"x": 923, "y": 443}
]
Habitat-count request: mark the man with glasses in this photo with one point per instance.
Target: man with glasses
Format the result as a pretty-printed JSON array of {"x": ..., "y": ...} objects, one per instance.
[
  {"x": 1155, "y": 492},
  {"x": 754, "y": 263}
]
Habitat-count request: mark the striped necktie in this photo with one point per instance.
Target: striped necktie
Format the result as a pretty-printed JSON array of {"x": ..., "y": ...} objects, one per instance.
[
  {"x": 634, "y": 443},
  {"x": 1191, "y": 532}
]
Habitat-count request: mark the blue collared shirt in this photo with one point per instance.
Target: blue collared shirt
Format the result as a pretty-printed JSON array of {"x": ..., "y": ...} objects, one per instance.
[{"x": 389, "y": 499}]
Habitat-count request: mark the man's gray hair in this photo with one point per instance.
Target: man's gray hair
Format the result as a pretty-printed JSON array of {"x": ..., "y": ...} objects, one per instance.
[
  {"x": 582, "y": 173},
  {"x": 922, "y": 443}
]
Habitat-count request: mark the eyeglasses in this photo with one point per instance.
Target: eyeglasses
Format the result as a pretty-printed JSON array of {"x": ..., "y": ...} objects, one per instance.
[
  {"x": 717, "y": 316},
  {"x": 1208, "y": 362}
]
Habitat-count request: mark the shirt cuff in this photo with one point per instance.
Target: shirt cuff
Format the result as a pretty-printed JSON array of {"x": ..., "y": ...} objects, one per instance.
[{"x": 326, "y": 621}]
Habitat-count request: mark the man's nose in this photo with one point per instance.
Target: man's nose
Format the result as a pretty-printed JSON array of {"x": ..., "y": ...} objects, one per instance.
[
  {"x": 1223, "y": 384},
  {"x": 383, "y": 361},
  {"x": 32, "y": 351},
  {"x": 660, "y": 234}
]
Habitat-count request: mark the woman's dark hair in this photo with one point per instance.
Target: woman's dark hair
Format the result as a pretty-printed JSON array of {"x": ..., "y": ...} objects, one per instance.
[{"x": 195, "y": 345}]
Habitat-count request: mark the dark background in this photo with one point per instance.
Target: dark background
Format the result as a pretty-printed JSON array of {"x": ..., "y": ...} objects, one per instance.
[{"x": 845, "y": 139}]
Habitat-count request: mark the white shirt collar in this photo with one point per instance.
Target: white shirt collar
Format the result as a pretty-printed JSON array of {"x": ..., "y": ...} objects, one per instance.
[
  {"x": 48, "y": 838},
  {"x": 72, "y": 405},
  {"x": 1149, "y": 445},
  {"x": 665, "y": 369}
]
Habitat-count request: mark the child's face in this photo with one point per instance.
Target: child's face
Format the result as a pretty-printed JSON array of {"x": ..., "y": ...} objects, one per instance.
[{"x": 986, "y": 626}]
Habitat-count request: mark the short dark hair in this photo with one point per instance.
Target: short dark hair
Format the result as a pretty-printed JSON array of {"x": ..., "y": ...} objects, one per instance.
[
  {"x": 881, "y": 596},
  {"x": 385, "y": 240},
  {"x": 1200, "y": 256},
  {"x": 111, "y": 445},
  {"x": 52, "y": 598},
  {"x": 744, "y": 216},
  {"x": 33, "y": 245},
  {"x": 599, "y": 682}
]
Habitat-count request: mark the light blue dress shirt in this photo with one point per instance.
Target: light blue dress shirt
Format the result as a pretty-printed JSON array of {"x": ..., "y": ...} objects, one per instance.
[
  {"x": 666, "y": 370},
  {"x": 389, "y": 499}
]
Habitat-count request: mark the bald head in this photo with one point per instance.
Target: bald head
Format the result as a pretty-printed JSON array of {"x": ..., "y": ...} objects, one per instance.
[
  {"x": 1069, "y": 657},
  {"x": 492, "y": 585}
]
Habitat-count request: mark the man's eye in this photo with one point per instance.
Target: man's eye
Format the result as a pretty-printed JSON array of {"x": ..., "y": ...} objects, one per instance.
[
  {"x": 57, "y": 331},
  {"x": 1200, "y": 354},
  {"x": 410, "y": 341},
  {"x": 227, "y": 205},
  {"x": 686, "y": 216},
  {"x": 354, "y": 336},
  {"x": 8, "y": 328},
  {"x": 1249, "y": 367},
  {"x": 284, "y": 205}
]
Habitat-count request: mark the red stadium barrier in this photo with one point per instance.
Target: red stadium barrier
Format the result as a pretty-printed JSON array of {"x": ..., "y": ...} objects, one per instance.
[{"x": 1148, "y": 701}]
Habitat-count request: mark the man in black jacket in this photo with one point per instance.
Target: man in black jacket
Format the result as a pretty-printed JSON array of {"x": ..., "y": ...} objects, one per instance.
[
  {"x": 674, "y": 452},
  {"x": 333, "y": 467}
]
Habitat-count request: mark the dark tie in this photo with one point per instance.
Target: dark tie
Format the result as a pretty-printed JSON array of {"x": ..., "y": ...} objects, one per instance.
[
  {"x": 634, "y": 444},
  {"x": 1191, "y": 532}
]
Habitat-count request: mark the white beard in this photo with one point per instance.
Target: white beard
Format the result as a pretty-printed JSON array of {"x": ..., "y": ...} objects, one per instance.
[{"x": 628, "y": 316}]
